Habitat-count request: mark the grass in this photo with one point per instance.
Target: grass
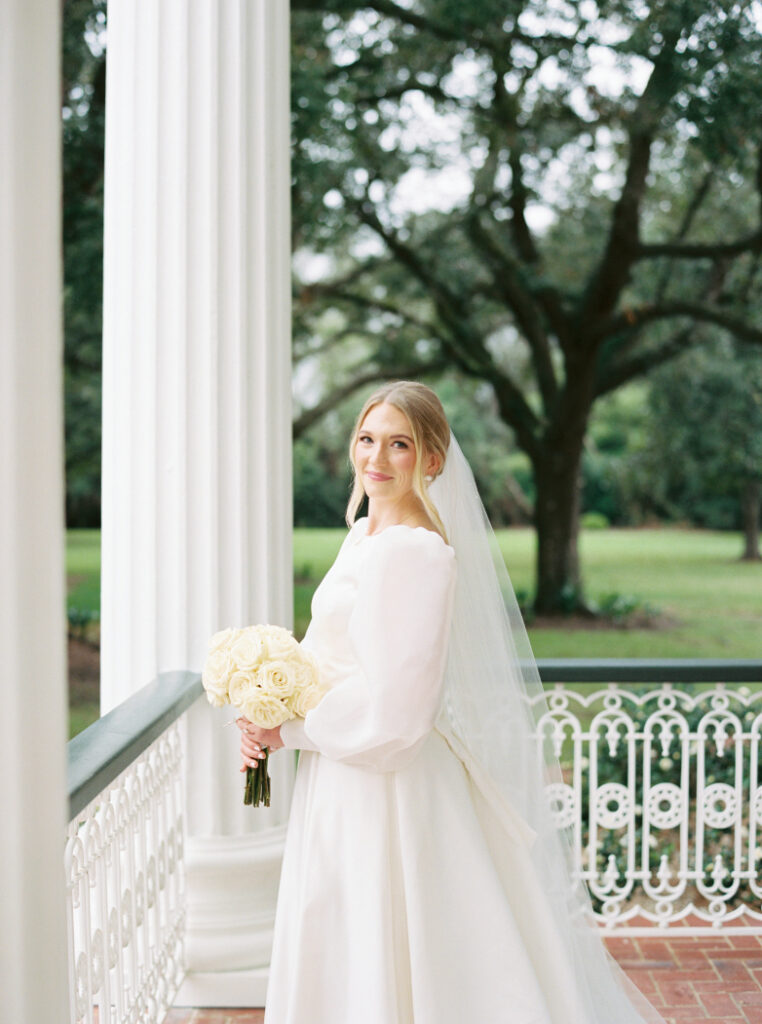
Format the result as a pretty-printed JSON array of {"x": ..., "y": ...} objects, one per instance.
[
  {"x": 694, "y": 577},
  {"x": 83, "y": 569},
  {"x": 81, "y": 715},
  {"x": 711, "y": 601}
]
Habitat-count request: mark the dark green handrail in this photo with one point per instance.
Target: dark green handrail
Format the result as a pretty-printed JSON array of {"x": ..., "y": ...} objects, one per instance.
[
  {"x": 103, "y": 750},
  {"x": 647, "y": 670},
  {"x": 100, "y": 753}
]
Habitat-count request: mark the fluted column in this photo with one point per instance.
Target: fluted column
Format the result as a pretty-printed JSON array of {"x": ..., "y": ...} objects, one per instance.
[
  {"x": 32, "y": 595},
  {"x": 197, "y": 515}
]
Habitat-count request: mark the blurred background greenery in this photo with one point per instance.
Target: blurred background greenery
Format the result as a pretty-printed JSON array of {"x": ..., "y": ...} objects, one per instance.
[{"x": 551, "y": 213}]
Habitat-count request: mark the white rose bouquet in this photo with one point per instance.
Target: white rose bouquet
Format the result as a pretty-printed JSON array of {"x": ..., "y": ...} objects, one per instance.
[{"x": 264, "y": 673}]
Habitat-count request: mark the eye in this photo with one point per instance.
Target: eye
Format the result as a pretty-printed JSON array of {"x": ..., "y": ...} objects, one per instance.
[
  {"x": 402, "y": 444},
  {"x": 364, "y": 437}
]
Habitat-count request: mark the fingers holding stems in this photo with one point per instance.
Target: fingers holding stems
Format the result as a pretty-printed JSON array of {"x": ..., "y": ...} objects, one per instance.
[
  {"x": 256, "y": 745},
  {"x": 253, "y": 739}
]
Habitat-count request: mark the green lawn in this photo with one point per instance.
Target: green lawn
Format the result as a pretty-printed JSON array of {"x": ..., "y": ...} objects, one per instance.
[
  {"x": 693, "y": 576},
  {"x": 83, "y": 569},
  {"x": 713, "y": 601}
]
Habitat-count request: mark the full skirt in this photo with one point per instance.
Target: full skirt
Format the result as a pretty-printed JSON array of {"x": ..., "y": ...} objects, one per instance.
[{"x": 406, "y": 899}]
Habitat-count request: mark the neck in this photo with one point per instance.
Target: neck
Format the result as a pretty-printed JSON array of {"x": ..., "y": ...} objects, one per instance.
[{"x": 392, "y": 513}]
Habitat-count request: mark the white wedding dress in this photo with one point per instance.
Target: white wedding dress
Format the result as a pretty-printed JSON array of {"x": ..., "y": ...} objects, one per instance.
[{"x": 407, "y": 893}]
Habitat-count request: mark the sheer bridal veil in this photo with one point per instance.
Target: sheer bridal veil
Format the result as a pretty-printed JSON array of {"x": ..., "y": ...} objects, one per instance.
[{"x": 493, "y": 713}]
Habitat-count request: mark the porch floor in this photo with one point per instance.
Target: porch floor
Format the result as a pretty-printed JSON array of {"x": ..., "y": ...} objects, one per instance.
[{"x": 690, "y": 980}]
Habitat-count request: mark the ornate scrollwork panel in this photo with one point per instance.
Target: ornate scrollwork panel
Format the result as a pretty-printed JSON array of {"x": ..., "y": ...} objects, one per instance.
[
  {"x": 123, "y": 850},
  {"x": 662, "y": 801}
]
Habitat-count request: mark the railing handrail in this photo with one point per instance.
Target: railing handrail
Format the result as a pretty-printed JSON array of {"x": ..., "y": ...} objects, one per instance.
[
  {"x": 102, "y": 751},
  {"x": 649, "y": 670}
]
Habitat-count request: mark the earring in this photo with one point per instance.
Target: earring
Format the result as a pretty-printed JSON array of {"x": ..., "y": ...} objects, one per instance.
[{"x": 428, "y": 479}]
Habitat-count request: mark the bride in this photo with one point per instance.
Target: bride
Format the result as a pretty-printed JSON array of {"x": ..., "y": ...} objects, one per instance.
[{"x": 424, "y": 880}]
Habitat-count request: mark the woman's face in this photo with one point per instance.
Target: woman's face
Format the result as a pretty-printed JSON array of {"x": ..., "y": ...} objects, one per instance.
[{"x": 384, "y": 453}]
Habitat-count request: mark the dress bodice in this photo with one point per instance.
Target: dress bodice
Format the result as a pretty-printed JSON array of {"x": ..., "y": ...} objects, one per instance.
[{"x": 380, "y": 621}]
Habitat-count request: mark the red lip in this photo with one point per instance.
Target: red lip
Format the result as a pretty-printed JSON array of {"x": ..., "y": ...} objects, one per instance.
[{"x": 377, "y": 476}]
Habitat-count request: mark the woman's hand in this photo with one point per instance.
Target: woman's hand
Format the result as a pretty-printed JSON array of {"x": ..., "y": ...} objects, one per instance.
[{"x": 253, "y": 738}]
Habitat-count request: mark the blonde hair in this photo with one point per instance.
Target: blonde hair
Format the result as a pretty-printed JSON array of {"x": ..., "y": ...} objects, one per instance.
[{"x": 431, "y": 436}]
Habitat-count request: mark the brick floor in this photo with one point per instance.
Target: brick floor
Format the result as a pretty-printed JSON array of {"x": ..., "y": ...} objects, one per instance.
[
  {"x": 706, "y": 980},
  {"x": 695, "y": 980}
]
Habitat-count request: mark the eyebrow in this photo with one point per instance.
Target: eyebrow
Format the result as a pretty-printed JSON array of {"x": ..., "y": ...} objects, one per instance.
[{"x": 393, "y": 436}]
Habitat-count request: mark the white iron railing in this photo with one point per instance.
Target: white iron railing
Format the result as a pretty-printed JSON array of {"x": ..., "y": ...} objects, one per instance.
[
  {"x": 662, "y": 797},
  {"x": 124, "y": 860}
]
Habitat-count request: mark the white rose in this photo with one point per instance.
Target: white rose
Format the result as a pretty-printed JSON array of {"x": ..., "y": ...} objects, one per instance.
[
  {"x": 221, "y": 639},
  {"x": 265, "y": 711},
  {"x": 307, "y": 699},
  {"x": 241, "y": 687},
  {"x": 248, "y": 649},
  {"x": 279, "y": 642},
  {"x": 277, "y": 678},
  {"x": 215, "y": 675}
]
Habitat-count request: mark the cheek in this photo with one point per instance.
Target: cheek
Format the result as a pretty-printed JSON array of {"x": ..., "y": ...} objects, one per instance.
[{"x": 407, "y": 462}]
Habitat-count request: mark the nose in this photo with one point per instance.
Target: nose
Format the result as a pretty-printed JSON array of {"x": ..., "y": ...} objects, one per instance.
[{"x": 376, "y": 457}]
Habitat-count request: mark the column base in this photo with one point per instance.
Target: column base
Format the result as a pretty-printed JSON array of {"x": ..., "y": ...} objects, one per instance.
[
  {"x": 245, "y": 989},
  {"x": 231, "y": 892}
]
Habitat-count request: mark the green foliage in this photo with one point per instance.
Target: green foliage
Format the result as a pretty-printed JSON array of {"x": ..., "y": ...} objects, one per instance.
[
  {"x": 84, "y": 93},
  {"x": 620, "y": 607},
  {"x": 80, "y": 619},
  {"x": 321, "y": 483},
  {"x": 594, "y": 521},
  {"x": 705, "y": 434}
]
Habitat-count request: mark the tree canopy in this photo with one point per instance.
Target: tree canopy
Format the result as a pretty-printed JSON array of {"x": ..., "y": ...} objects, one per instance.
[{"x": 554, "y": 198}]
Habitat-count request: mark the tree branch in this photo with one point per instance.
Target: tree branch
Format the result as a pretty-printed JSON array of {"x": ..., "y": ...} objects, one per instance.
[
  {"x": 309, "y": 417},
  {"x": 505, "y": 107},
  {"x": 387, "y": 8},
  {"x": 448, "y": 306},
  {"x": 696, "y": 311},
  {"x": 466, "y": 347},
  {"x": 522, "y": 236},
  {"x": 429, "y": 327},
  {"x": 642, "y": 363},
  {"x": 304, "y": 292},
  {"x": 696, "y": 251},
  {"x": 353, "y": 331},
  {"x": 511, "y": 290},
  {"x": 682, "y": 232},
  {"x": 623, "y": 242},
  {"x": 435, "y": 91}
]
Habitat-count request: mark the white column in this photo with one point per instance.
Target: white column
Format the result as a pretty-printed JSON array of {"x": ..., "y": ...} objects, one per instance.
[
  {"x": 197, "y": 516},
  {"x": 32, "y": 593}
]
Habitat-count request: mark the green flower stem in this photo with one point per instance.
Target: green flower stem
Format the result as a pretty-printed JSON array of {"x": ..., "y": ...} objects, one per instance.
[{"x": 257, "y": 788}]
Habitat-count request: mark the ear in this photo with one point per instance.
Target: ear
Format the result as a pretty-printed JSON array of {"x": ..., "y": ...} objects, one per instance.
[{"x": 431, "y": 464}]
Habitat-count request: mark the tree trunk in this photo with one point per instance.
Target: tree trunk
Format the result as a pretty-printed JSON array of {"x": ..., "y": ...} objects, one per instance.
[
  {"x": 557, "y": 479},
  {"x": 751, "y": 499}
]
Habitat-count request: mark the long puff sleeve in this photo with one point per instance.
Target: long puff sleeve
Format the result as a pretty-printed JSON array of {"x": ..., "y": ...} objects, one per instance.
[{"x": 380, "y": 714}]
